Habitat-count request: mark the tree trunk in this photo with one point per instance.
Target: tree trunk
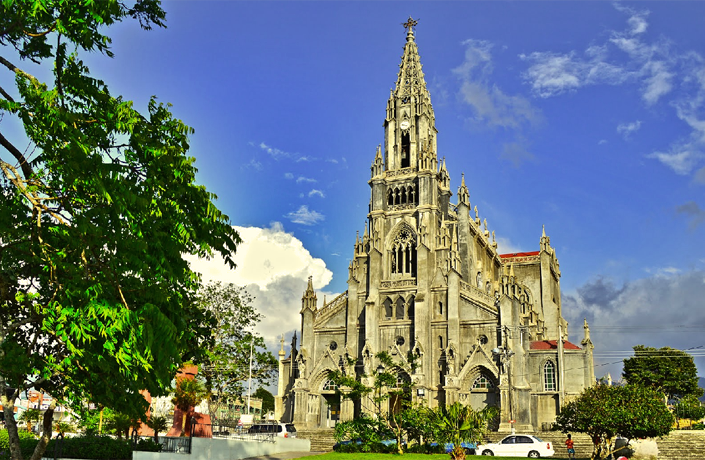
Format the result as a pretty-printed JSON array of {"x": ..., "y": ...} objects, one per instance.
[
  {"x": 46, "y": 432},
  {"x": 8, "y": 407}
]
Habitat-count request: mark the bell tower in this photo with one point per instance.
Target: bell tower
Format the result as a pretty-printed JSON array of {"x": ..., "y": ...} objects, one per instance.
[{"x": 409, "y": 126}]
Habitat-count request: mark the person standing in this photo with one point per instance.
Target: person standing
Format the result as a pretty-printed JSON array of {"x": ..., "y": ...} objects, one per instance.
[{"x": 569, "y": 444}]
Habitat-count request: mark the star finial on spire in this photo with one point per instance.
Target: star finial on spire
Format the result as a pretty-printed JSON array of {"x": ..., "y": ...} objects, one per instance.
[{"x": 410, "y": 24}]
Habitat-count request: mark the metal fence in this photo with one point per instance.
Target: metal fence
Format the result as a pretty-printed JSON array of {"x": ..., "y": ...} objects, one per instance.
[
  {"x": 180, "y": 445},
  {"x": 230, "y": 431}
]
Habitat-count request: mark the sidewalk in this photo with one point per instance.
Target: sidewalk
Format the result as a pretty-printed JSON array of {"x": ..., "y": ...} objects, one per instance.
[{"x": 285, "y": 456}]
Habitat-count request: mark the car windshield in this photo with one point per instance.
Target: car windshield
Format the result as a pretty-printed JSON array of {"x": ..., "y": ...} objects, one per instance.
[
  {"x": 538, "y": 439},
  {"x": 291, "y": 428}
]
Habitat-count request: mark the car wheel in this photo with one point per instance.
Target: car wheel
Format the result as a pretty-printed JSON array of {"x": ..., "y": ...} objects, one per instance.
[
  {"x": 487, "y": 452},
  {"x": 469, "y": 451},
  {"x": 534, "y": 454}
]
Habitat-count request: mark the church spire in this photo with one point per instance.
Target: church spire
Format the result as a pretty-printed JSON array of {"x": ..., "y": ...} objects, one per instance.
[{"x": 410, "y": 122}]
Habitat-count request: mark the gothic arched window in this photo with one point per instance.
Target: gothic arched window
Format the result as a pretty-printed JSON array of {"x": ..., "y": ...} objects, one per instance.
[
  {"x": 549, "y": 377},
  {"x": 482, "y": 382},
  {"x": 403, "y": 253},
  {"x": 400, "y": 308},
  {"x": 388, "y": 308},
  {"x": 330, "y": 385}
]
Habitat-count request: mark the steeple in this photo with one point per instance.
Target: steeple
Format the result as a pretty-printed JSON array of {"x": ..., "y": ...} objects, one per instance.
[
  {"x": 308, "y": 300},
  {"x": 410, "y": 122}
]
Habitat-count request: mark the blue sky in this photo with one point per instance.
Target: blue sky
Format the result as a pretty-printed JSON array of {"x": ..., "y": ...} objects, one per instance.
[{"x": 585, "y": 117}]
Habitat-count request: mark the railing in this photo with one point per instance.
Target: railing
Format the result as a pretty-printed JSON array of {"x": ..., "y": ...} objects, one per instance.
[
  {"x": 180, "y": 445},
  {"x": 230, "y": 432}
]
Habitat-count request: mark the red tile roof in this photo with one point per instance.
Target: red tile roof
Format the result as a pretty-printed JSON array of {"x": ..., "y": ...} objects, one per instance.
[
  {"x": 552, "y": 345},
  {"x": 519, "y": 254}
]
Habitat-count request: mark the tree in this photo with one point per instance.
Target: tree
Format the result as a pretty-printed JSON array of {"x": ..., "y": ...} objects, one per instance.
[
  {"x": 603, "y": 412},
  {"x": 267, "y": 399},
  {"x": 158, "y": 423},
  {"x": 189, "y": 392},
  {"x": 99, "y": 206},
  {"x": 30, "y": 417},
  {"x": 389, "y": 395},
  {"x": 671, "y": 371},
  {"x": 458, "y": 423},
  {"x": 688, "y": 407},
  {"x": 225, "y": 365}
]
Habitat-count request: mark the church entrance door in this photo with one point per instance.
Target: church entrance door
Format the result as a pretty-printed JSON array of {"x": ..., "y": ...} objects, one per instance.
[{"x": 331, "y": 411}]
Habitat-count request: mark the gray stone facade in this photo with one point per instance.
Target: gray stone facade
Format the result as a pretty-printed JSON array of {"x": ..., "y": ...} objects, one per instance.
[{"x": 426, "y": 278}]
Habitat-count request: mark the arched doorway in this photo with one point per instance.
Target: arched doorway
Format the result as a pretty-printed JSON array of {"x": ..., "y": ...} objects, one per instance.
[{"x": 330, "y": 404}]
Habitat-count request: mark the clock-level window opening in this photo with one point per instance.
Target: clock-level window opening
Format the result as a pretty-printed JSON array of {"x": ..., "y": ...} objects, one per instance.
[{"x": 405, "y": 150}]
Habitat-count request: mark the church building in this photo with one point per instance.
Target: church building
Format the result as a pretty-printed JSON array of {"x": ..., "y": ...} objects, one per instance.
[{"x": 426, "y": 279}]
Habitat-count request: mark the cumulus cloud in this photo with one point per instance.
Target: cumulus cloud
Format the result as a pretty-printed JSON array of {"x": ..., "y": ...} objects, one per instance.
[
  {"x": 304, "y": 216},
  {"x": 627, "y": 129},
  {"x": 274, "y": 266},
  {"x": 693, "y": 212},
  {"x": 315, "y": 192},
  {"x": 661, "y": 310}
]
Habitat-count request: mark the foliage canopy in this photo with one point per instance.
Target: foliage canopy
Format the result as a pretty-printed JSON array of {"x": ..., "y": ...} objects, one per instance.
[
  {"x": 671, "y": 371},
  {"x": 99, "y": 205},
  {"x": 603, "y": 412}
]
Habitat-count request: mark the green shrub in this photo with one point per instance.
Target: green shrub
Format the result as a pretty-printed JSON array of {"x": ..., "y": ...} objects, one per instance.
[
  {"x": 27, "y": 443},
  {"x": 147, "y": 445},
  {"x": 350, "y": 448},
  {"x": 426, "y": 449},
  {"x": 94, "y": 447},
  {"x": 698, "y": 426}
]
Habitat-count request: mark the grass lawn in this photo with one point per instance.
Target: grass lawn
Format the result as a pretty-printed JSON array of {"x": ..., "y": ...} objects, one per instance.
[{"x": 341, "y": 456}]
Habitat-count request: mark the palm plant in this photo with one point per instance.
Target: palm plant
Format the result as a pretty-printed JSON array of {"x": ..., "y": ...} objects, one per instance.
[
  {"x": 30, "y": 417},
  {"x": 157, "y": 423},
  {"x": 459, "y": 423}
]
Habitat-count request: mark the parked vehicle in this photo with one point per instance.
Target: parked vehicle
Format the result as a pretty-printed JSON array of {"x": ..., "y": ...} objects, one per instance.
[
  {"x": 518, "y": 445},
  {"x": 284, "y": 430}
]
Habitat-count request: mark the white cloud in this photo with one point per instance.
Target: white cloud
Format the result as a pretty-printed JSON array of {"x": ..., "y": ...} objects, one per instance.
[
  {"x": 304, "y": 216},
  {"x": 288, "y": 175},
  {"x": 275, "y": 266},
  {"x": 504, "y": 246},
  {"x": 491, "y": 105},
  {"x": 551, "y": 74},
  {"x": 302, "y": 179},
  {"x": 304, "y": 158},
  {"x": 315, "y": 192},
  {"x": 626, "y": 129},
  {"x": 273, "y": 151},
  {"x": 682, "y": 158},
  {"x": 253, "y": 164}
]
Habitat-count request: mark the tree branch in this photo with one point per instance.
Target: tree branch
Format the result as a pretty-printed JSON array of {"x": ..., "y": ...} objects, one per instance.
[
  {"x": 17, "y": 70},
  {"x": 24, "y": 164},
  {"x": 6, "y": 95}
]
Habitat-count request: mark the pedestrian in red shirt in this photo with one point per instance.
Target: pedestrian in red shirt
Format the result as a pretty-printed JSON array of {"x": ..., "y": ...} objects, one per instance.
[{"x": 569, "y": 445}]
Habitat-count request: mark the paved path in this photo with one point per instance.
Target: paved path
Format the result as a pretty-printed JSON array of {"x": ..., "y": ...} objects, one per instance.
[{"x": 285, "y": 456}]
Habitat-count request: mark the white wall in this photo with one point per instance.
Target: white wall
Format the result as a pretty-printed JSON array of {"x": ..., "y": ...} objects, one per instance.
[{"x": 229, "y": 449}]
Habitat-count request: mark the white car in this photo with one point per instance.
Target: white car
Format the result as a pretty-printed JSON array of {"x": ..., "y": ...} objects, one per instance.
[{"x": 518, "y": 445}]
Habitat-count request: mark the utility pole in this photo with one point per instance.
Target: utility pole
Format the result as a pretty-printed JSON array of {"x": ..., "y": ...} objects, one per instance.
[{"x": 249, "y": 379}]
